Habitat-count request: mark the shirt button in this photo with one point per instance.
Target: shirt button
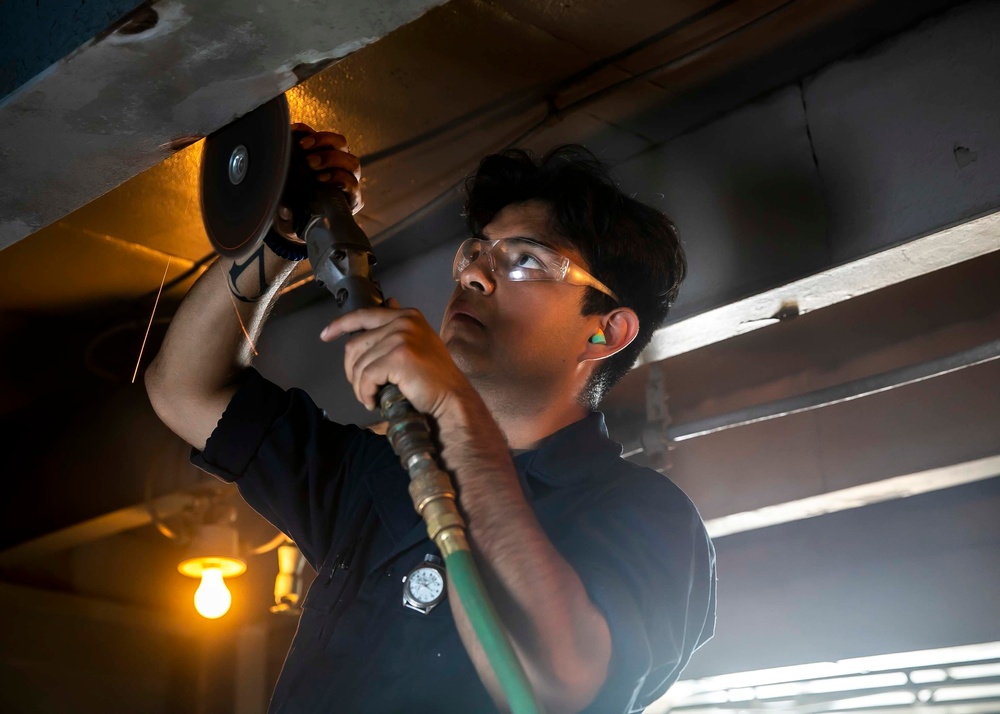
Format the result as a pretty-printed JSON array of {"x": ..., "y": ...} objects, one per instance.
[{"x": 389, "y": 571}]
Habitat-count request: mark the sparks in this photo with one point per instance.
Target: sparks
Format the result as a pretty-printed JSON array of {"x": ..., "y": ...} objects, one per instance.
[
  {"x": 159, "y": 292},
  {"x": 242, "y": 326}
]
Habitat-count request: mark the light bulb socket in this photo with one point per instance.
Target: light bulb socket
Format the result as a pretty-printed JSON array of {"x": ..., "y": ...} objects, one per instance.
[{"x": 214, "y": 546}]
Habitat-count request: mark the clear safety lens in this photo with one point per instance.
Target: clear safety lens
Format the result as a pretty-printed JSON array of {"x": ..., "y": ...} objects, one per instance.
[{"x": 513, "y": 259}]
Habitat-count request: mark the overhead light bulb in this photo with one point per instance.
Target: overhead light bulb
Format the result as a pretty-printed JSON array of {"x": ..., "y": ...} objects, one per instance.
[
  {"x": 212, "y": 599},
  {"x": 213, "y": 558}
]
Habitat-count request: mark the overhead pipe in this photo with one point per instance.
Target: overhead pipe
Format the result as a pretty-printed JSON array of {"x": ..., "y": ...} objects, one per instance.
[{"x": 829, "y": 396}]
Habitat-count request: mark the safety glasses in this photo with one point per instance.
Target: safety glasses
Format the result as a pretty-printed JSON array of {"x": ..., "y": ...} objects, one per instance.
[{"x": 520, "y": 259}]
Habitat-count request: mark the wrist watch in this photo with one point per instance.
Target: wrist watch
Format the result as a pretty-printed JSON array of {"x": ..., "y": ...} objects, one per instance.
[{"x": 424, "y": 586}]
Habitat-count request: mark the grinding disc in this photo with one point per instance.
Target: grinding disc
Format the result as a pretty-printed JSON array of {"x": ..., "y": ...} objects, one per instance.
[{"x": 243, "y": 170}]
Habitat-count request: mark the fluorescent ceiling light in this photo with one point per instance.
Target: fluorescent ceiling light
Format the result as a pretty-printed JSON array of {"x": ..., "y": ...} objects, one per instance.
[{"x": 897, "y": 672}]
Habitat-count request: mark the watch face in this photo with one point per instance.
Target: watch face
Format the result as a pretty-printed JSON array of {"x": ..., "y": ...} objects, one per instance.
[{"x": 425, "y": 585}]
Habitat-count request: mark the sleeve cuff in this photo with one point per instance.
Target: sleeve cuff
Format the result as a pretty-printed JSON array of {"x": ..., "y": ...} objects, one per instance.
[{"x": 237, "y": 437}]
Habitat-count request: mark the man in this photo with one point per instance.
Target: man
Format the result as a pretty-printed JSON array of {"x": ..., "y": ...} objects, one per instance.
[{"x": 601, "y": 571}]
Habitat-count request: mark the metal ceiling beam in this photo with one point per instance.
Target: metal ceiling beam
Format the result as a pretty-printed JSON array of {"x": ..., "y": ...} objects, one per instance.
[
  {"x": 108, "y": 524},
  {"x": 856, "y": 496},
  {"x": 829, "y": 287},
  {"x": 839, "y": 393},
  {"x": 171, "y": 73}
]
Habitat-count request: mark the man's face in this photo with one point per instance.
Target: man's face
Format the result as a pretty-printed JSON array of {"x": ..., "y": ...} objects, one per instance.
[{"x": 516, "y": 335}]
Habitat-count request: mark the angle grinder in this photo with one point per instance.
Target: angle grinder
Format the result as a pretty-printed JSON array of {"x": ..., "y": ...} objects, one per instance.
[
  {"x": 251, "y": 167},
  {"x": 254, "y": 165}
]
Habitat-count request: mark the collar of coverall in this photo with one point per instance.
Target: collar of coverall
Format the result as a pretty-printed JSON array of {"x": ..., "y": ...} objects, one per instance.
[{"x": 575, "y": 454}]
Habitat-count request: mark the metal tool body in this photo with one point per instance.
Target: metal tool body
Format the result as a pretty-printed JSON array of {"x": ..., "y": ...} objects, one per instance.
[{"x": 340, "y": 253}]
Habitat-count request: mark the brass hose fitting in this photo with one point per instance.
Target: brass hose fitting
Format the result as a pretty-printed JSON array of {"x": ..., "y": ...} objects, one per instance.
[{"x": 431, "y": 489}]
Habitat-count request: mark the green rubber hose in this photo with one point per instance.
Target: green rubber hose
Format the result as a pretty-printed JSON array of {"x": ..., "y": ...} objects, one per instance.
[
  {"x": 434, "y": 497},
  {"x": 490, "y": 633}
]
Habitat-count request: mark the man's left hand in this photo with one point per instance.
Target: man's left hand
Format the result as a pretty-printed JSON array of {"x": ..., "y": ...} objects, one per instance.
[{"x": 398, "y": 346}]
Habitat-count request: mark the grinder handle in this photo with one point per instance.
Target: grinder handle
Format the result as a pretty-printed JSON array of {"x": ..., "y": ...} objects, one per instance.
[{"x": 333, "y": 205}]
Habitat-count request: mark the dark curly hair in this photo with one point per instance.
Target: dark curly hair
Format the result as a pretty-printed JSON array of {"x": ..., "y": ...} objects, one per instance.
[{"x": 630, "y": 247}]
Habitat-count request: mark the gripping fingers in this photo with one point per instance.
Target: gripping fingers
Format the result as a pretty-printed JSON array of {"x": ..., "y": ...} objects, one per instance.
[
  {"x": 359, "y": 345},
  {"x": 372, "y": 370},
  {"x": 335, "y": 160},
  {"x": 366, "y": 318},
  {"x": 368, "y": 355},
  {"x": 339, "y": 177},
  {"x": 327, "y": 155},
  {"x": 347, "y": 183},
  {"x": 320, "y": 139}
]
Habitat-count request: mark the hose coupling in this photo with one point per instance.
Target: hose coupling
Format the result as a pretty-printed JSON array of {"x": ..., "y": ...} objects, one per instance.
[
  {"x": 434, "y": 499},
  {"x": 409, "y": 431},
  {"x": 451, "y": 540}
]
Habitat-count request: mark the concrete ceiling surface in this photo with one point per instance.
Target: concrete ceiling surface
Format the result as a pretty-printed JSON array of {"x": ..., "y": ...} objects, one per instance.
[{"x": 173, "y": 72}]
